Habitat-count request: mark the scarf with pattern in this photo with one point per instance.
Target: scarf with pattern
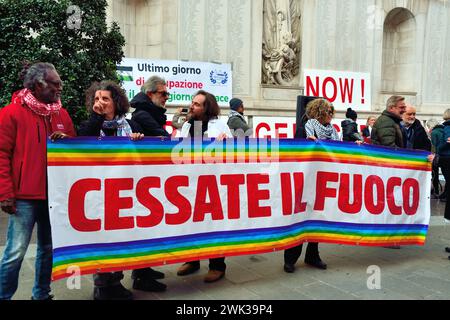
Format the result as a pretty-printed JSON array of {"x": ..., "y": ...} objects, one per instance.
[
  {"x": 43, "y": 109},
  {"x": 118, "y": 123},
  {"x": 315, "y": 129}
]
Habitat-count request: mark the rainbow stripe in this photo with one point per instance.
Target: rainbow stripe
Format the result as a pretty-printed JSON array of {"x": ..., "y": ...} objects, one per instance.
[
  {"x": 113, "y": 151},
  {"x": 106, "y": 257}
]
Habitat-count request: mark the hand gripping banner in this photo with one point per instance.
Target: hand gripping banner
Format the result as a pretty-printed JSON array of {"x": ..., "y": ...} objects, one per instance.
[{"x": 116, "y": 204}]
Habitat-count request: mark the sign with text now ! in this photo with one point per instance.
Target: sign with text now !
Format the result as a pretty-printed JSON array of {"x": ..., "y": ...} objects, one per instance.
[
  {"x": 343, "y": 89},
  {"x": 116, "y": 204}
]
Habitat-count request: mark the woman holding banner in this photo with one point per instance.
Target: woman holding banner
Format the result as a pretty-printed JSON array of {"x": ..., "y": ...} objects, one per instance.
[
  {"x": 320, "y": 112},
  {"x": 107, "y": 105}
]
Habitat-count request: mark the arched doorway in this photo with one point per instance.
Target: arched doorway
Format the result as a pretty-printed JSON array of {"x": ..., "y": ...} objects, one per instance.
[{"x": 399, "y": 52}]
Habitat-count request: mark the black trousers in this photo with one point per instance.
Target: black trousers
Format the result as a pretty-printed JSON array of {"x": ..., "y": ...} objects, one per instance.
[
  {"x": 435, "y": 178},
  {"x": 444, "y": 162},
  {"x": 214, "y": 264},
  {"x": 291, "y": 255}
]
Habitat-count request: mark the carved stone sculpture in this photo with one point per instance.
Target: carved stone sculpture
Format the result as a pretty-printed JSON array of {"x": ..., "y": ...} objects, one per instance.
[{"x": 281, "y": 44}]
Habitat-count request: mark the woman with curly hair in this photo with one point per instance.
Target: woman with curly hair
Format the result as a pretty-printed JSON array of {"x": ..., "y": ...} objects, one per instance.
[
  {"x": 320, "y": 112},
  {"x": 108, "y": 105}
]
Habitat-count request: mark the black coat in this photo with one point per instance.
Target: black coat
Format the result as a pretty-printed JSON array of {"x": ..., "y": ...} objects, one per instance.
[
  {"x": 420, "y": 138},
  {"x": 350, "y": 131},
  {"x": 93, "y": 125},
  {"x": 149, "y": 116}
]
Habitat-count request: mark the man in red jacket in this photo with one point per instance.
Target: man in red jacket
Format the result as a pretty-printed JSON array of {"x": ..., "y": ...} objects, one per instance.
[{"x": 34, "y": 114}]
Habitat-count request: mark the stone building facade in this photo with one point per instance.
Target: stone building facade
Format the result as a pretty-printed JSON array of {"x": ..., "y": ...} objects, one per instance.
[{"x": 403, "y": 44}]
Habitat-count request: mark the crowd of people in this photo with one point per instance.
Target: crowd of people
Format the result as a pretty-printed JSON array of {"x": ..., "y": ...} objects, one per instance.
[{"x": 35, "y": 113}]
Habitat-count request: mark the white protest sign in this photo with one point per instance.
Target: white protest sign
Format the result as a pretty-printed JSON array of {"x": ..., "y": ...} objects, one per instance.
[
  {"x": 183, "y": 78},
  {"x": 343, "y": 89}
]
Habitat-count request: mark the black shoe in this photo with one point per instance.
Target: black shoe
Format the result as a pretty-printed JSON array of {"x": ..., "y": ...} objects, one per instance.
[
  {"x": 147, "y": 273},
  {"x": 155, "y": 274},
  {"x": 447, "y": 249},
  {"x": 117, "y": 292},
  {"x": 289, "y": 267},
  {"x": 147, "y": 284},
  {"x": 317, "y": 263},
  {"x": 49, "y": 298}
]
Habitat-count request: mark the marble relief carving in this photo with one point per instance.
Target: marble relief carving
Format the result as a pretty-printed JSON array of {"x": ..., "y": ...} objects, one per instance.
[
  {"x": 239, "y": 47},
  {"x": 435, "y": 40},
  {"x": 281, "y": 45},
  {"x": 192, "y": 30}
]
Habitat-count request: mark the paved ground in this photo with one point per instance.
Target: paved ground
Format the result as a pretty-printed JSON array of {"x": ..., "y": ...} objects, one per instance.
[{"x": 409, "y": 273}]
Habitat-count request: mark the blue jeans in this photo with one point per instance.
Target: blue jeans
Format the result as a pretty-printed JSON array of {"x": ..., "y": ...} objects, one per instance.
[{"x": 20, "y": 229}]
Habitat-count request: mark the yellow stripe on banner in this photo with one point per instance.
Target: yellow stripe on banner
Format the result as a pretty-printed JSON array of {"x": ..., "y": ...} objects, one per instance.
[{"x": 224, "y": 249}]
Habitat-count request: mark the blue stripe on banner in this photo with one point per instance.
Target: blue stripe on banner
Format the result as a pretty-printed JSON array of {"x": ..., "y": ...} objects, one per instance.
[{"x": 237, "y": 236}]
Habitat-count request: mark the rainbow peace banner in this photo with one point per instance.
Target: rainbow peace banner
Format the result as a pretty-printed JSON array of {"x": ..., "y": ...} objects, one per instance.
[{"x": 116, "y": 204}]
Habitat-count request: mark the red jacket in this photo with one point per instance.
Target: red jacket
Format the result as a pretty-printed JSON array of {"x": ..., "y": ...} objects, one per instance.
[{"x": 23, "y": 150}]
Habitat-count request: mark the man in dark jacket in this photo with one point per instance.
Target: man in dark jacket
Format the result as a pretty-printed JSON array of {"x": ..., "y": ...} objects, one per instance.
[
  {"x": 150, "y": 105},
  {"x": 387, "y": 130},
  {"x": 416, "y": 136},
  {"x": 236, "y": 121}
]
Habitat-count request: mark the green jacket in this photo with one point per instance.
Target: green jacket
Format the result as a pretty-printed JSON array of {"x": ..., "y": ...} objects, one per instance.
[
  {"x": 387, "y": 131},
  {"x": 438, "y": 140}
]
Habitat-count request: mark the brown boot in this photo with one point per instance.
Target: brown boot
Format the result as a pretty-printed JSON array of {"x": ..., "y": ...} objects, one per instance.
[
  {"x": 214, "y": 275},
  {"x": 188, "y": 268}
]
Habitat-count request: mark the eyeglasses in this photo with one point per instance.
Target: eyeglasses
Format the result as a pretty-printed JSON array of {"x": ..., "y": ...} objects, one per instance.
[
  {"x": 163, "y": 93},
  {"x": 56, "y": 83}
]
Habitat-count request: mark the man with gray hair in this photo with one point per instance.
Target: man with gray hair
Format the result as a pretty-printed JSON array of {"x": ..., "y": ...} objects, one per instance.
[
  {"x": 416, "y": 136},
  {"x": 387, "y": 130},
  {"x": 34, "y": 114},
  {"x": 150, "y": 105}
]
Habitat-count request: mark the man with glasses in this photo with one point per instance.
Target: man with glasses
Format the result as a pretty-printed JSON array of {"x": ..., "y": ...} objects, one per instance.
[
  {"x": 34, "y": 114},
  {"x": 387, "y": 130},
  {"x": 150, "y": 105},
  {"x": 150, "y": 114}
]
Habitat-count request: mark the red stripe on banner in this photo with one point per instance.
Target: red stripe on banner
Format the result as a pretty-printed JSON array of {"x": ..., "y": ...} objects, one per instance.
[{"x": 109, "y": 162}]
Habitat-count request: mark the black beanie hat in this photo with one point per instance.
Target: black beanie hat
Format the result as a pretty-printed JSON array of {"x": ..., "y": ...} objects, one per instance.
[
  {"x": 235, "y": 103},
  {"x": 351, "y": 114}
]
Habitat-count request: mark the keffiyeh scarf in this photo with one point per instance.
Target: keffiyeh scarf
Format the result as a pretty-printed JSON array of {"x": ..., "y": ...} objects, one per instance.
[
  {"x": 315, "y": 129},
  {"x": 43, "y": 109}
]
